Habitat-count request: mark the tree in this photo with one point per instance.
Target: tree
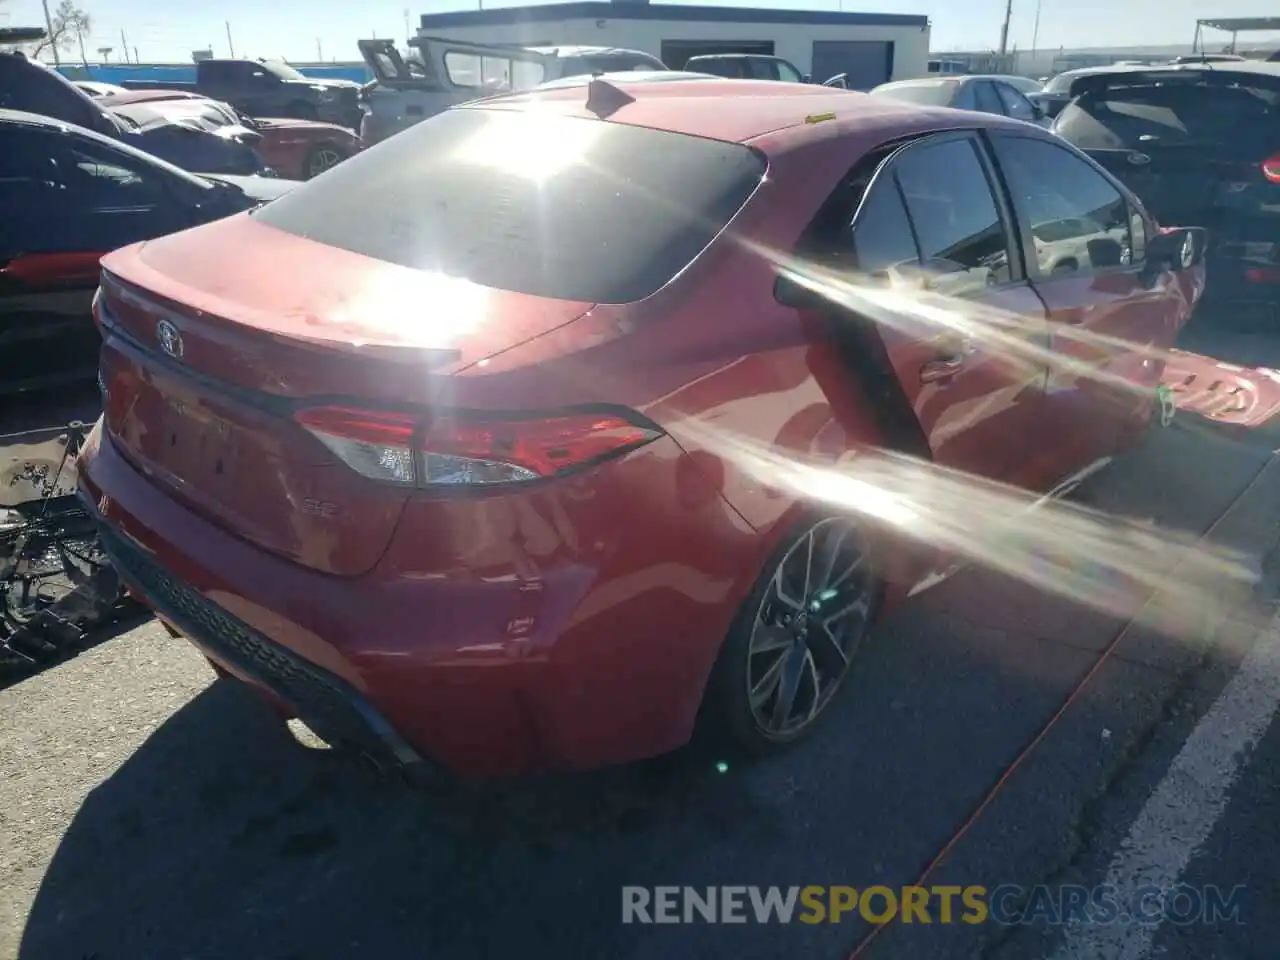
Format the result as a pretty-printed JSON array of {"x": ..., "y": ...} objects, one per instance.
[{"x": 68, "y": 23}]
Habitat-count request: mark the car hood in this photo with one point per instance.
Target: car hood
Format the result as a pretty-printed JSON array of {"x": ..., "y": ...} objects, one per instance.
[{"x": 261, "y": 189}]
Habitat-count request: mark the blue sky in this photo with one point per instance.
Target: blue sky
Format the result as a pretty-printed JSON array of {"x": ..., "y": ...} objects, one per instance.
[{"x": 168, "y": 30}]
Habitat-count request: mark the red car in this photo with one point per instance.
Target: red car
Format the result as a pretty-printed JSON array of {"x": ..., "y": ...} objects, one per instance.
[
  {"x": 294, "y": 149},
  {"x": 455, "y": 452}
]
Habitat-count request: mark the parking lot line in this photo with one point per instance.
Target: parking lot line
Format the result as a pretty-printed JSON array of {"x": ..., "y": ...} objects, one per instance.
[{"x": 1187, "y": 803}]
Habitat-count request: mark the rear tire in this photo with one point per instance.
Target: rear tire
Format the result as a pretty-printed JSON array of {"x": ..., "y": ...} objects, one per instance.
[{"x": 793, "y": 641}]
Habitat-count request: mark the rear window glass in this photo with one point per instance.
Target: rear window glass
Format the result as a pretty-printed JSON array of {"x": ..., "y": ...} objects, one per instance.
[
  {"x": 1171, "y": 114},
  {"x": 937, "y": 93},
  {"x": 553, "y": 206}
]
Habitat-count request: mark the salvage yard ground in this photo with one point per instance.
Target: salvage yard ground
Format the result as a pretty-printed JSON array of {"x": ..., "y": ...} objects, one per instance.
[{"x": 149, "y": 811}]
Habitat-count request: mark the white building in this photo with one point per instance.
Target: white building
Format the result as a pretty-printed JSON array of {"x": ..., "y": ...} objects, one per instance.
[{"x": 870, "y": 47}]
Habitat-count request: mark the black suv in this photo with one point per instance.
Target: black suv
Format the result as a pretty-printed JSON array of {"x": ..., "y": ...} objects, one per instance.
[{"x": 1199, "y": 144}]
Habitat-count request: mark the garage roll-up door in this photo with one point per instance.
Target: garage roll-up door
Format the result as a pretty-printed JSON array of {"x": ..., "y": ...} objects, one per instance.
[{"x": 868, "y": 63}]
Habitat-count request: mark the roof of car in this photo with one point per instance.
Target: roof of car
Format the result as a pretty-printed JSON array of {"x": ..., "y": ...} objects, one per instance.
[
  {"x": 744, "y": 110},
  {"x": 1232, "y": 68}
]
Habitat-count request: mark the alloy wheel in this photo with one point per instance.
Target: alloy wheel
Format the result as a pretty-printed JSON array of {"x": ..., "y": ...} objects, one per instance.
[
  {"x": 811, "y": 620},
  {"x": 321, "y": 160}
]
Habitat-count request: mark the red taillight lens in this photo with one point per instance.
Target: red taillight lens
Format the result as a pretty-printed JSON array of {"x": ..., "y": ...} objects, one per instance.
[
  {"x": 452, "y": 451},
  {"x": 1271, "y": 168}
]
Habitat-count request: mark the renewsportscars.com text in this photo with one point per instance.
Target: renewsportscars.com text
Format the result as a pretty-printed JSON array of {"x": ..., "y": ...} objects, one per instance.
[{"x": 1008, "y": 904}]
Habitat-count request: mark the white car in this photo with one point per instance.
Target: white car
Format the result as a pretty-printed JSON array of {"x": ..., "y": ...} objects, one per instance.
[
  {"x": 95, "y": 89},
  {"x": 439, "y": 73}
]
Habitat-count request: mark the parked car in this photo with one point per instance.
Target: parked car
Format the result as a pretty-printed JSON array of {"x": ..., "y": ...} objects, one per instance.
[
  {"x": 1199, "y": 144},
  {"x": 1056, "y": 92},
  {"x": 94, "y": 89},
  {"x": 70, "y": 195},
  {"x": 1208, "y": 58},
  {"x": 30, "y": 86},
  {"x": 747, "y": 66},
  {"x": 269, "y": 88},
  {"x": 440, "y": 73},
  {"x": 986, "y": 94},
  {"x": 460, "y": 505},
  {"x": 296, "y": 149},
  {"x": 194, "y": 135}
]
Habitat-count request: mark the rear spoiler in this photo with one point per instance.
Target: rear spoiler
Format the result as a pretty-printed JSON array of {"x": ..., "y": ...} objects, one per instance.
[{"x": 1175, "y": 73}]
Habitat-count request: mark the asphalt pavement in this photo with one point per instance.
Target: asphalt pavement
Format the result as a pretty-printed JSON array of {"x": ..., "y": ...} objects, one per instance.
[{"x": 993, "y": 735}]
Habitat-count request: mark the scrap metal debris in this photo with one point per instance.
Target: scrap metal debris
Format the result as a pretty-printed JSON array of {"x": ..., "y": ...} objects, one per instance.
[{"x": 55, "y": 581}]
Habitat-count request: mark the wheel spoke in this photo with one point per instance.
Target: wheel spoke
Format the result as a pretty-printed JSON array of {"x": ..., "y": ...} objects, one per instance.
[
  {"x": 767, "y": 638},
  {"x": 808, "y": 566},
  {"x": 858, "y": 603},
  {"x": 811, "y": 668},
  {"x": 767, "y": 684},
  {"x": 833, "y": 555},
  {"x": 827, "y": 652},
  {"x": 779, "y": 591},
  {"x": 793, "y": 667}
]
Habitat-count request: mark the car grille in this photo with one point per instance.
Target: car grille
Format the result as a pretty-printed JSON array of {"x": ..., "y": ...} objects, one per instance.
[{"x": 325, "y": 702}]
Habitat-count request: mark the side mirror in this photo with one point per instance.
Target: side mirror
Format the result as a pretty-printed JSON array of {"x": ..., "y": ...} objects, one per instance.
[
  {"x": 1177, "y": 248},
  {"x": 807, "y": 78}
]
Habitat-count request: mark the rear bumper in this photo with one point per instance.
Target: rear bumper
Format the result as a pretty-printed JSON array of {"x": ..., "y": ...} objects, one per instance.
[{"x": 600, "y": 657}]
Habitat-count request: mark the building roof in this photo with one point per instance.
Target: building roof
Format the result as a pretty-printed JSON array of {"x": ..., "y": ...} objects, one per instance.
[
  {"x": 1241, "y": 24},
  {"x": 601, "y": 10}
]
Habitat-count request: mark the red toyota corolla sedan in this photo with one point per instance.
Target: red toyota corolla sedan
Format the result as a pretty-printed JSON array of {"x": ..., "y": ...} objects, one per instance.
[{"x": 443, "y": 451}]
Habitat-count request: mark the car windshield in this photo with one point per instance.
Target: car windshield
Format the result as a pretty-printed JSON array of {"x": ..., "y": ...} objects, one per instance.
[
  {"x": 933, "y": 93},
  {"x": 547, "y": 205},
  {"x": 282, "y": 70}
]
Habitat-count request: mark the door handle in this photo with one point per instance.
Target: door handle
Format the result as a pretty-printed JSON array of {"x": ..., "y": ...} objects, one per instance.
[{"x": 944, "y": 368}]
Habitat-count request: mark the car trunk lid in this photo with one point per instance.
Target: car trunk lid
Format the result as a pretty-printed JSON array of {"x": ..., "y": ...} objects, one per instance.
[{"x": 203, "y": 376}]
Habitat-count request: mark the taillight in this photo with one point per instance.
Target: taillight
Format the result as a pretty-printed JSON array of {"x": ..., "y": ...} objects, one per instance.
[
  {"x": 1271, "y": 168},
  {"x": 440, "y": 451}
]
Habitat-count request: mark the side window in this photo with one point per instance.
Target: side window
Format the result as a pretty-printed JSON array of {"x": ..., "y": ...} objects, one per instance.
[
  {"x": 763, "y": 68},
  {"x": 1015, "y": 104},
  {"x": 986, "y": 97},
  {"x": 965, "y": 99},
  {"x": 962, "y": 239},
  {"x": 1079, "y": 221},
  {"x": 91, "y": 198},
  {"x": 882, "y": 237},
  {"x": 788, "y": 72}
]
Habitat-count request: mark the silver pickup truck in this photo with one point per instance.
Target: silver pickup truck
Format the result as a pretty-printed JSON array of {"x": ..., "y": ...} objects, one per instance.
[{"x": 438, "y": 73}]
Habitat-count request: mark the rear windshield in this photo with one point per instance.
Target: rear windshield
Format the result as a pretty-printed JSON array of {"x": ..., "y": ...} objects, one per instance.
[
  {"x": 937, "y": 93},
  {"x": 553, "y": 206},
  {"x": 1169, "y": 114}
]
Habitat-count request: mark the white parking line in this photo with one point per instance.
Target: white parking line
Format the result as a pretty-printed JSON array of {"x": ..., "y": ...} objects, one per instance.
[{"x": 1186, "y": 805}]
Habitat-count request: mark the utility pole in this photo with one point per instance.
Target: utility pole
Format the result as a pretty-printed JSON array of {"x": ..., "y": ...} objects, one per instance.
[
  {"x": 53, "y": 40},
  {"x": 319, "y": 52},
  {"x": 1004, "y": 30},
  {"x": 124, "y": 45},
  {"x": 230, "y": 46},
  {"x": 83, "y": 59},
  {"x": 1035, "y": 31},
  {"x": 408, "y": 33}
]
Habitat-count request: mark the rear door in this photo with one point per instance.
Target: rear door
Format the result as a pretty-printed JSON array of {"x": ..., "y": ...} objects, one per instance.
[
  {"x": 67, "y": 202},
  {"x": 1085, "y": 245},
  {"x": 931, "y": 225}
]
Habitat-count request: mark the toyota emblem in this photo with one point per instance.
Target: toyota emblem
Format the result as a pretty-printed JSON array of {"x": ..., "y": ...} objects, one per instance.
[{"x": 170, "y": 339}]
